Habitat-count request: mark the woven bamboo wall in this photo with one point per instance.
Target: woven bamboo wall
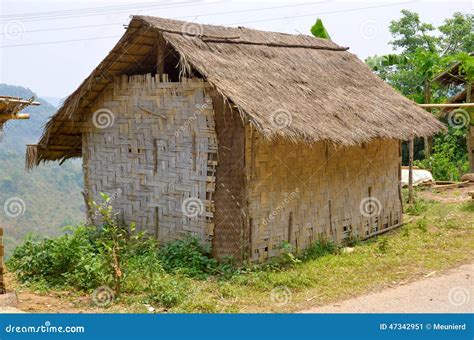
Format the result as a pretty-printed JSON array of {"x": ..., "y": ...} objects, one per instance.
[
  {"x": 299, "y": 193},
  {"x": 157, "y": 154},
  {"x": 230, "y": 217}
]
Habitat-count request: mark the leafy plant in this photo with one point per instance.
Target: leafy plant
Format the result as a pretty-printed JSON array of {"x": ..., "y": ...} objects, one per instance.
[
  {"x": 320, "y": 248},
  {"x": 188, "y": 257},
  {"x": 114, "y": 238},
  {"x": 287, "y": 257},
  {"x": 378, "y": 63},
  {"x": 382, "y": 244},
  {"x": 422, "y": 224},
  {"x": 69, "y": 260},
  {"x": 319, "y": 31},
  {"x": 449, "y": 160}
]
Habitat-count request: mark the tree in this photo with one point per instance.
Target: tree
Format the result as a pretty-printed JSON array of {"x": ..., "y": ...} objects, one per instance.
[
  {"x": 421, "y": 52},
  {"x": 457, "y": 34},
  {"x": 410, "y": 34}
]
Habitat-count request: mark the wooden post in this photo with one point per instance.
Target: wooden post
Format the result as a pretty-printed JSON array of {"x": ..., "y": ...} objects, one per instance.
[
  {"x": 410, "y": 171},
  {"x": 470, "y": 130},
  {"x": 2, "y": 283},
  {"x": 428, "y": 141},
  {"x": 160, "y": 57}
]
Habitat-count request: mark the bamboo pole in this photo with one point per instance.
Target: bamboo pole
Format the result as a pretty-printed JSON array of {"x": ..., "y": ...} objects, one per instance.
[
  {"x": 470, "y": 128},
  {"x": 160, "y": 57},
  {"x": 410, "y": 171},
  {"x": 14, "y": 116},
  {"x": 454, "y": 105},
  {"x": 19, "y": 101},
  {"x": 428, "y": 140}
]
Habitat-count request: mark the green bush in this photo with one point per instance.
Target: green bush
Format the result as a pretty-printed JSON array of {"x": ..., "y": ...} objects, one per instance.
[
  {"x": 449, "y": 160},
  {"x": 188, "y": 257},
  {"x": 169, "y": 291},
  {"x": 320, "y": 248}
]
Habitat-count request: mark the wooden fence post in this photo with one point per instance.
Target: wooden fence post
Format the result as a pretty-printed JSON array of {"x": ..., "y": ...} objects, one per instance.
[
  {"x": 2, "y": 283},
  {"x": 410, "y": 171}
]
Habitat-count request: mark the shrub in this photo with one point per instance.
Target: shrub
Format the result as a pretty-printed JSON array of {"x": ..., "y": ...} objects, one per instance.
[
  {"x": 169, "y": 291},
  {"x": 69, "y": 260},
  {"x": 188, "y": 257},
  {"x": 449, "y": 160},
  {"x": 422, "y": 224},
  {"x": 320, "y": 248}
]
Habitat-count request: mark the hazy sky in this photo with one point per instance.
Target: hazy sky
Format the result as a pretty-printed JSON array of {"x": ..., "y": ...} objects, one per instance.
[{"x": 83, "y": 32}]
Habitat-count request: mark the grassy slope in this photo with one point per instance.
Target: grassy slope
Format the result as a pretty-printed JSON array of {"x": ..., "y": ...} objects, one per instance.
[
  {"x": 440, "y": 238},
  {"x": 52, "y": 193}
]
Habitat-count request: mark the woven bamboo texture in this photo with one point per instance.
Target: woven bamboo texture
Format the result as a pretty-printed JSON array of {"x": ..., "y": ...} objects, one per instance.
[
  {"x": 158, "y": 153},
  {"x": 299, "y": 194},
  {"x": 230, "y": 237},
  {"x": 162, "y": 149}
]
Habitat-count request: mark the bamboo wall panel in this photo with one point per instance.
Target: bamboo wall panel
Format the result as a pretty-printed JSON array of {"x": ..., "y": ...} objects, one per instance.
[
  {"x": 300, "y": 193},
  {"x": 155, "y": 155},
  {"x": 230, "y": 218}
]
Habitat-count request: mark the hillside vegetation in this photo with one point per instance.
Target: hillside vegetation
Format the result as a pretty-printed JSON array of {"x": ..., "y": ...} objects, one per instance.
[{"x": 49, "y": 196}]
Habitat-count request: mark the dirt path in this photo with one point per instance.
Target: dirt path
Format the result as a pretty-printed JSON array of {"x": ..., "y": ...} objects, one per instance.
[{"x": 450, "y": 292}]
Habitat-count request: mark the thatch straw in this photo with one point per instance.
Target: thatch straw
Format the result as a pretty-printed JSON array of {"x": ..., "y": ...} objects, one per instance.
[
  {"x": 31, "y": 156},
  {"x": 330, "y": 94}
]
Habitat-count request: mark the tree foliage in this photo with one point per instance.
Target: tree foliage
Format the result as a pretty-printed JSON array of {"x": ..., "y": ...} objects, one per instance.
[{"x": 421, "y": 51}]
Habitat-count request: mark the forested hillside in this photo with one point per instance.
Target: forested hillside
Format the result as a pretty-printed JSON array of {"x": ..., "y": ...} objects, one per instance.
[{"x": 49, "y": 196}]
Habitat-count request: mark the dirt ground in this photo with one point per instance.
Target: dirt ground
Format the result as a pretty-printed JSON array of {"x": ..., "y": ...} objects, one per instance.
[
  {"x": 455, "y": 195},
  {"x": 449, "y": 292}
]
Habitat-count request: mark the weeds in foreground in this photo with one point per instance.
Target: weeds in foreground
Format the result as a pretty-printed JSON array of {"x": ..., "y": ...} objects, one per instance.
[{"x": 181, "y": 276}]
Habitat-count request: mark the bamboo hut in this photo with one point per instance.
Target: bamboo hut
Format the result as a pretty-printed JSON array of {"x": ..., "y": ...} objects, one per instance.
[
  {"x": 454, "y": 77},
  {"x": 244, "y": 139},
  {"x": 10, "y": 108}
]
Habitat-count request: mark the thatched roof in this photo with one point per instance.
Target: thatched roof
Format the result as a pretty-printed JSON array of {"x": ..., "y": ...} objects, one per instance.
[
  {"x": 452, "y": 76},
  {"x": 330, "y": 94}
]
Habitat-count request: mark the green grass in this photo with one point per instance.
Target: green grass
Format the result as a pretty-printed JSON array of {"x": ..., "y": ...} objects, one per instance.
[{"x": 440, "y": 237}]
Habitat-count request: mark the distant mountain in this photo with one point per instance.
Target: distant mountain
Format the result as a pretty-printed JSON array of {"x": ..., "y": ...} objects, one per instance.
[
  {"x": 56, "y": 102},
  {"x": 49, "y": 196}
]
